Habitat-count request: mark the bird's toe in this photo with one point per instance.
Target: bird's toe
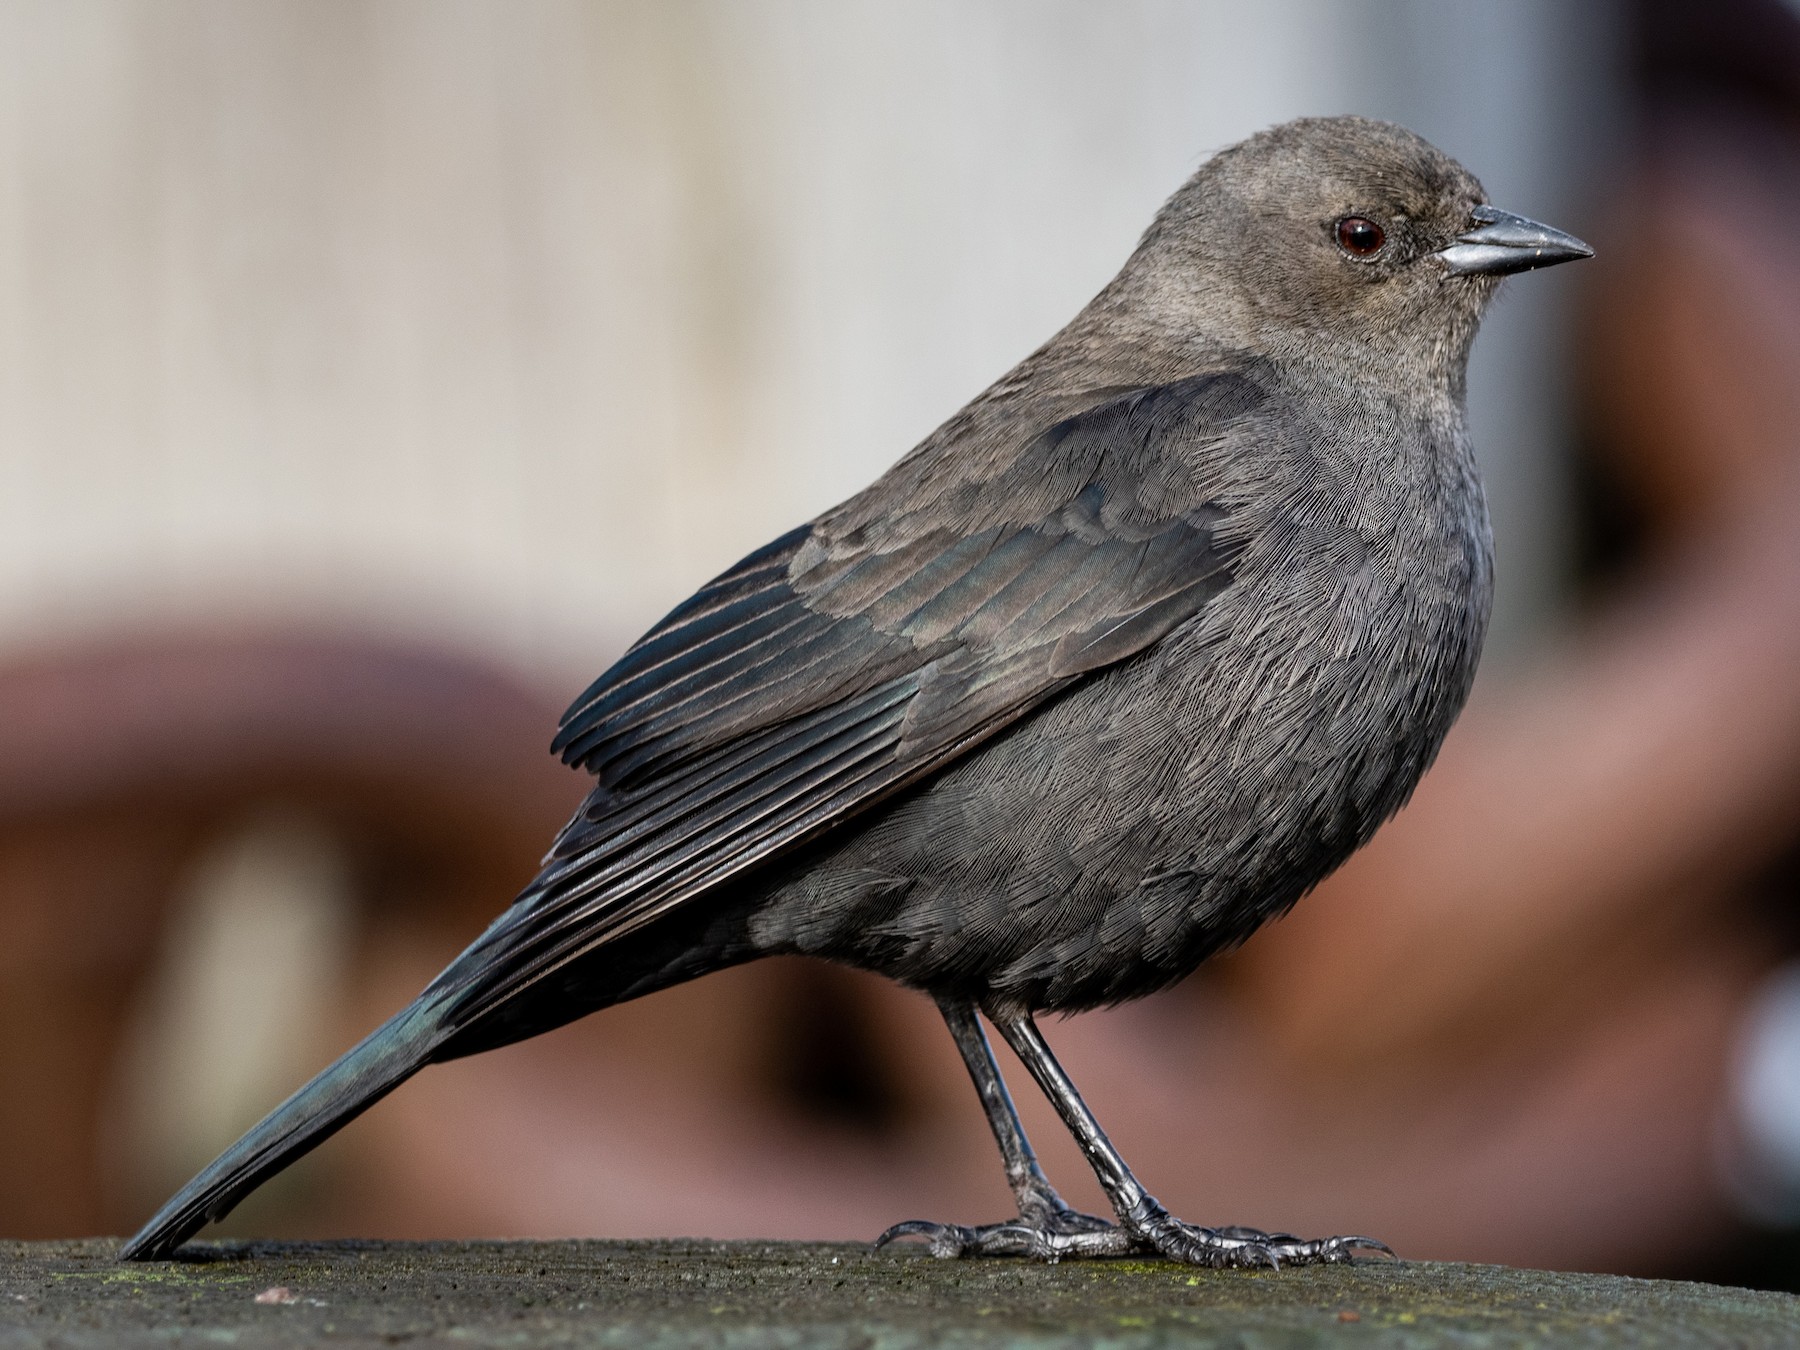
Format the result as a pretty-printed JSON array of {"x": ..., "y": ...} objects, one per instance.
[
  {"x": 1071, "y": 1235},
  {"x": 1325, "y": 1251},
  {"x": 947, "y": 1240}
]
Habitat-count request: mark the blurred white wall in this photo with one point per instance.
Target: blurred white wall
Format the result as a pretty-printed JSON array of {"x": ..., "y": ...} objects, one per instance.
[{"x": 513, "y": 321}]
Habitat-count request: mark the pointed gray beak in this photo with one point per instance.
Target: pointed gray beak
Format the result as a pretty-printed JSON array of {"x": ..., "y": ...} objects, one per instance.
[{"x": 1502, "y": 242}]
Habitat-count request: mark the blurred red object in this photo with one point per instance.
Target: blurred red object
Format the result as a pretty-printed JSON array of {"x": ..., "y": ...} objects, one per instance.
[{"x": 119, "y": 761}]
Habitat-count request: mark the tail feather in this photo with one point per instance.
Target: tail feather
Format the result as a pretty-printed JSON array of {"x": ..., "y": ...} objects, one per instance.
[{"x": 387, "y": 1057}]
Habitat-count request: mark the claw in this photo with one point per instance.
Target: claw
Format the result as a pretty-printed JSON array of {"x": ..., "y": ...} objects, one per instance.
[
  {"x": 907, "y": 1228},
  {"x": 946, "y": 1240}
]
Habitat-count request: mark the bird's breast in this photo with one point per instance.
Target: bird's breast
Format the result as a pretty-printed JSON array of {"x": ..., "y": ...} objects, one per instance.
[{"x": 1167, "y": 806}]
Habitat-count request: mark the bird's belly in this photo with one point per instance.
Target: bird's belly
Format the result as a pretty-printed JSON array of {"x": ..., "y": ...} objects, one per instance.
[{"x": 1153, "y": 816}]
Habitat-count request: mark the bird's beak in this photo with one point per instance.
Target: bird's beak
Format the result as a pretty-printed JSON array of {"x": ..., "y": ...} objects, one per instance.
[{"x": 1501, "y": 242}]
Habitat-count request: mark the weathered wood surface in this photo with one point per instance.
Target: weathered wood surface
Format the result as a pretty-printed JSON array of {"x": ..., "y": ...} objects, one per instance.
[{"x": 658, "y": 1295}]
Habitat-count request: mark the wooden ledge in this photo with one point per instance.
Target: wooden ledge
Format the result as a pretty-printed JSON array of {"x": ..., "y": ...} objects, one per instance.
[{"x": 793, "y": 1295}]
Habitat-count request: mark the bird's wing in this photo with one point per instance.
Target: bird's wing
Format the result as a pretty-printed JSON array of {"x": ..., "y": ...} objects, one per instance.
[{"x": 849, "y": 659}]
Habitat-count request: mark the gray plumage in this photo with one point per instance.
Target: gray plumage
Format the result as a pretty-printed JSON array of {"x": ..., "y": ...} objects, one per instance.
[{"x": 1107, "y": 672}]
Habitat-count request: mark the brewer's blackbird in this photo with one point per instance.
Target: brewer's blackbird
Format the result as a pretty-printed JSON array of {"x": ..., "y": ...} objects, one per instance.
[{"x": 1110, "y": 670}]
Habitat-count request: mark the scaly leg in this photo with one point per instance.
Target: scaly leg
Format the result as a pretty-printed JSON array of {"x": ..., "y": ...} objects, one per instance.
[
  {"x": 1046, "y": 1226},
  {"x": 1145, "y": 1224}
]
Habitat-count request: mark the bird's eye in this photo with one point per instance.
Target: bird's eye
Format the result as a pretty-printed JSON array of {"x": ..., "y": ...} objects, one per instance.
[{"x": 1360, "y": 237}]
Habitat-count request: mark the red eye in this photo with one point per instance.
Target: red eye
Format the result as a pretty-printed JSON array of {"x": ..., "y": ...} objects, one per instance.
[{"x": 1360, "y": 237}]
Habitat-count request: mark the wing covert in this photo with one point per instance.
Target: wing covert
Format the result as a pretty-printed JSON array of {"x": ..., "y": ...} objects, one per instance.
[{"x": 849, "y": 659}]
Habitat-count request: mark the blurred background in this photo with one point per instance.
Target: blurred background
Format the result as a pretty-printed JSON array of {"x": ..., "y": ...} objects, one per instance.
[{"x": 371, "y": 373}]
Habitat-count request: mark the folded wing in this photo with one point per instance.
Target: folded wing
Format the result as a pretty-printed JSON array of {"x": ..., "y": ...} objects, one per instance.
[{"x": 850, "y": 659}]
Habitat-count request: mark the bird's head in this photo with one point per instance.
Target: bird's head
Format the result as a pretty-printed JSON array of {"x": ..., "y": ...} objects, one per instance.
[{"x": 1338, "y": 239}]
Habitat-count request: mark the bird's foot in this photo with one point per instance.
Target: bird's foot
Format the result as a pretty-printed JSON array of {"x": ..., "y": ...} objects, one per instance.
[
  {"x": 1161, "y": 1232},
  {"x": 1044, "y": 1233},
  {"x": 1048, "y": 1230}
]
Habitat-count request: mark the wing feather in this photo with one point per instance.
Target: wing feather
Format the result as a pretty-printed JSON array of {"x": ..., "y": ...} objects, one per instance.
[{"x": 842, "y": 664}]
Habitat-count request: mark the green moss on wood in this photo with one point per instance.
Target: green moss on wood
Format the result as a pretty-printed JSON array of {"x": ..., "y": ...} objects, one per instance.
[{"x": 797, "y": 1296}]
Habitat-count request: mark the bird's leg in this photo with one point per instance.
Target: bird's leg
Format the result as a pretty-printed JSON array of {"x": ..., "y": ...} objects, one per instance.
[
  {"x": 1146, "y": 1225},
  {"x": 1046, "y": 1226},
  {"x": 1037, "y": 1198}
]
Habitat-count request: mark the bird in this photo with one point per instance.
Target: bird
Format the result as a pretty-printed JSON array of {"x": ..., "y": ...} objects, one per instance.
[{"x": 1107, "y": 672}]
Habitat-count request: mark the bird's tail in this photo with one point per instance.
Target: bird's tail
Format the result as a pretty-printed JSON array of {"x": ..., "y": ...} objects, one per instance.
[{"x": 387, "y": 1057}]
